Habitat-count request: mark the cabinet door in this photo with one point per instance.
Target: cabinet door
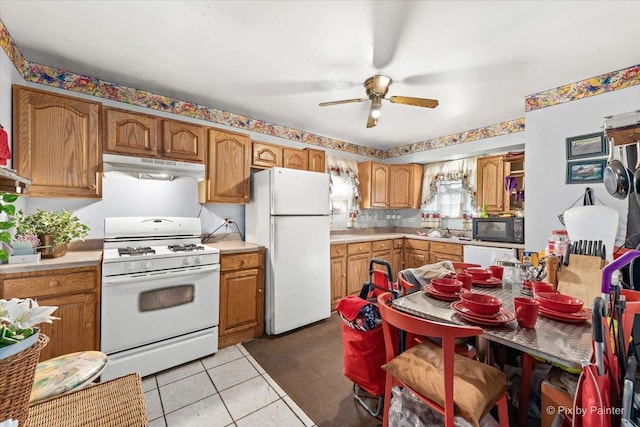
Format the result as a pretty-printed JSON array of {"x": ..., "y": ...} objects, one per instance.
[
  {"x": 57, "y": 143},
  {"x": 77, "y": 328},
  {"x": 294, "y": 158},
  {"x": 379, "y": 185},
  {"x": 490, "y": 186},
  {"x": 126, "y": 132},
  {"x": 228, "y": 168},
  {"x": 400, "y": 186},
  {"x": 183, "y": 141},
  {"x": 414, "y": 258},
  {"x": 338, "y": 280},
  {"x": 396, "y": 257},
  {"x": 438, "y": 257},
  {"x": 357, "y": 273},
  {"x": 241, "y": 300},
  {"x": 265, "y": 155},
  {"x": 316, "y": 160}
]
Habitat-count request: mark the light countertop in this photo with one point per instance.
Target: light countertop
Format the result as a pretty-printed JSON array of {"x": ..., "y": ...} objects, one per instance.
[
  {"x": 355, "y": 237},
  {"x": 234, "y": 246},
  {"x": 70, "y": 260}
]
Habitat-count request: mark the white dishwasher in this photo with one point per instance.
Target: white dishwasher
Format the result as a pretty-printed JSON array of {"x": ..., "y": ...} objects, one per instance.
[{"x": 487, "y": 255}]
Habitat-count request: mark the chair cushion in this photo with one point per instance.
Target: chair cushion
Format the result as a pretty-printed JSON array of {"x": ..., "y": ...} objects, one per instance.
[{"x": 476, "y": 386}]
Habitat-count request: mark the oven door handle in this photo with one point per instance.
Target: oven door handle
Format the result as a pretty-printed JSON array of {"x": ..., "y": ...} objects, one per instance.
[{"x": 165, "y": 274}]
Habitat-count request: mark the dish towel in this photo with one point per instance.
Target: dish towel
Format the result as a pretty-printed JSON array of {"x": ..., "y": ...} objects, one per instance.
[{"x": 5, "y": 154}]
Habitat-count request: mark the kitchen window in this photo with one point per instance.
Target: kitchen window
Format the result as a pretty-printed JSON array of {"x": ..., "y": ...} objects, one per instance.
[{"x": 448, "y": 188}]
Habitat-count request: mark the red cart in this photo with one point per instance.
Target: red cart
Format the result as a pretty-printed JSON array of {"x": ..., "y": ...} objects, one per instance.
[{"x": 362, "y": 339}]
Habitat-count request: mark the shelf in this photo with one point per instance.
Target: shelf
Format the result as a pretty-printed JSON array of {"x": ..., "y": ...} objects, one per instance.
[
  {"x": 511, "y": 159},
  {"x": 11, "y": 182},
  {"x": 517, "y": 173}
]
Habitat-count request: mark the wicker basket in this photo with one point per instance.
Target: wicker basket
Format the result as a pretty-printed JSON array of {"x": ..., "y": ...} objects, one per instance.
[{"x": 16, "y": 381}]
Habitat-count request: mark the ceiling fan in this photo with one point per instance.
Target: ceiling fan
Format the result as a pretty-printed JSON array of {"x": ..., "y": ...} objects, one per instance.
[{"x": 376, "y": 88}]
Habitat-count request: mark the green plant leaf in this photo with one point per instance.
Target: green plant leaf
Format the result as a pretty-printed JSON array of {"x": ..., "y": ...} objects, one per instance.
[
  {"x": 4, "y": 225},
  {"x": 5, "y": 236},
  {"x": 9, "y": 198},
  {"x": 4, "y": 256},
  {"x": 9, "y": 209}
]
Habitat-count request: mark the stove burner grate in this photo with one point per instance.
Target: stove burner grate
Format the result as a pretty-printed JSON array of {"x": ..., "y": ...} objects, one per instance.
[
  {"x": 135, "y": 251},
  {"x": 185, "y": 248}
]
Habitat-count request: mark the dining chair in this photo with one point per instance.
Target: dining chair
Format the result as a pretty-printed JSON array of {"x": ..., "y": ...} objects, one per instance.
[
  {"x": 447, "y": 382},
  {"x": 404, "y": 286}
]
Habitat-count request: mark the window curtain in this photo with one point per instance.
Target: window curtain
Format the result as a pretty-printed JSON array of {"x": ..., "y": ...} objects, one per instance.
[
  {"x": 344, "y": 183},
  {"x": 439, "y": 178}
]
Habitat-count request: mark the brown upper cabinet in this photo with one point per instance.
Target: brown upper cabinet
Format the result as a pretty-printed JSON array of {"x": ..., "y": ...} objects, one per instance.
[
  {"x": 57, "y": 144},
  {"x": 316, "y": 160},
  {"x": 228, "y": 168},
  {"x": 514, "y": 167},
  {"x": 295, "y": 158},
  {"x": 265, "y": 155},
  {"x": 389, "y": 186},
  {"x": 127, "y": 132},
  {"x": 490, "y": 185}
]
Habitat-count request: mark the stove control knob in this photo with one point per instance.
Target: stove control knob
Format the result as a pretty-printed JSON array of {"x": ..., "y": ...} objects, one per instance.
[
  {"x": 147, "y": 264},
  {"x": 188, "y": 260},
  {"x": 199, "y": 259},
  {"x": 131, "y": 266}
]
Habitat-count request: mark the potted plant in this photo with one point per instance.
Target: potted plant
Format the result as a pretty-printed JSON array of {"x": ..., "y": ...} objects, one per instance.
[
  {"x": 8, "y": 209},
  {"x": 54, "y": 229},
  {"x": 18, "y": 324}
]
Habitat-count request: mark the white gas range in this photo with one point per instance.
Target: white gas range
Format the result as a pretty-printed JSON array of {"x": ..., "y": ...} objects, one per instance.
[{"x": 160, "y": 294}]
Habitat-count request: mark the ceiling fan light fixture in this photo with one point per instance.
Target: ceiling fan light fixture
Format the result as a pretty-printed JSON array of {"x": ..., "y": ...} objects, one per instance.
[{"x": 376, "y": 103}]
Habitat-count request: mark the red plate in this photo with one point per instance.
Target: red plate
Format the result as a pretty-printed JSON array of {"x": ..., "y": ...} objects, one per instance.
[
  {"x": 580, "y": 316},
  {"x": 444, "y": 296},
  {"x": 487, "y": 283},
  {"x": 503, "y": 316}
]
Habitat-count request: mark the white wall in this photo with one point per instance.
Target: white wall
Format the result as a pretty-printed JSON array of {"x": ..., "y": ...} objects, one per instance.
[{"x": 545, "y": 161}]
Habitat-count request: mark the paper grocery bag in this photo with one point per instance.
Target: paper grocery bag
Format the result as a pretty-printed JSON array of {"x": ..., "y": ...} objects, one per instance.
[{"x": 582, "y": 278}]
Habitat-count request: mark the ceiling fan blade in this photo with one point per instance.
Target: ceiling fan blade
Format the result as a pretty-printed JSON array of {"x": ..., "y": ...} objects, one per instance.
[
  {"x": 343, "y": 101},
  {"x": 418, "y": 102},
  {"x": 389, "y": 19},
  {"x": 371, "y": 122}
]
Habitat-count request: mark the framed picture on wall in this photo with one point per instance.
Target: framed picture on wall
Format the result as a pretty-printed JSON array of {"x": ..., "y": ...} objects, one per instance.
[
  {"x": 589, "y": 145},
  {"x": 586, "y": 171}
]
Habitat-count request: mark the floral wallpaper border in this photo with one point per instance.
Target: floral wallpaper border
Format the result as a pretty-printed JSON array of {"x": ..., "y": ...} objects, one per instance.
[
  {"x": 45, "y": 75},
  {"x": 615, "y": 80}
]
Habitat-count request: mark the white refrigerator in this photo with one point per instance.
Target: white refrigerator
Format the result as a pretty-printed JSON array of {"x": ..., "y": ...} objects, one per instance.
[{"x": 288, "y": 213}]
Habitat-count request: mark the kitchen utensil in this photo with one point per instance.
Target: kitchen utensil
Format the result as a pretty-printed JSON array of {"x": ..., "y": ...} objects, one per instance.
[
  {"x": 559, "y": 302},
  {"x": 568, "y": 254},
  {"x": 481, "y": 304},
  {"x": 616, "y": 176},
  {"x": 450, "y": 286},
  {"x": 479, "y": 273}
]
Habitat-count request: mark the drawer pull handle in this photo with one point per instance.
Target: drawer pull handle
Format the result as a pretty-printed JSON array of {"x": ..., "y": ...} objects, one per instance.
[{"x": 53, "y": 283}]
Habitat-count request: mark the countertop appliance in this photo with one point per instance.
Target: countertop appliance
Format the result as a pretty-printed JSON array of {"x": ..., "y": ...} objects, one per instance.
[
  {"x": 486, "y": 255},
  {"x": 499, "y": 229},
  {"x": 288, "y": 213},
  {"x": 160, "y": 294}
]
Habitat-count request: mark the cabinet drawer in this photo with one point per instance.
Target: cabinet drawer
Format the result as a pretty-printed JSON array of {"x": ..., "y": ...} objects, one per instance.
[
  {"x": 51, "y": 284},
  {"x": 446, "y": 248},
  {"x": 417, "y": 244},
  {"x": 359, "y": 248},
  {"x": 381, "y": 245},
  {"x": 398, "y": 243},
  {"x": 241, "y": 261},
  {"x": 338, "y": 250}
]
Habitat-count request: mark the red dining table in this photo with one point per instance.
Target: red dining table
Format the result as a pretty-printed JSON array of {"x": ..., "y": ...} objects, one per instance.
[{"x": 567, "y": 344}]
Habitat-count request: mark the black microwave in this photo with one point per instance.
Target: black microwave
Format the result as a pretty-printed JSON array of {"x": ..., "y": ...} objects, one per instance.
[{"x": 497, "y": 229}]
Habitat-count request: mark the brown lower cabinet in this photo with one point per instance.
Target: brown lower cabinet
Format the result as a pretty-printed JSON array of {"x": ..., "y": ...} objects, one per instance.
[
  {"x": 338, "y": 273},
  {"x": 416, "y": 253},
  {"x": 446, "y": 252},
  {"x": 358, "y": 257},
  {"x": 241, "y": 297},
  {"x": 76, "y": 293}
]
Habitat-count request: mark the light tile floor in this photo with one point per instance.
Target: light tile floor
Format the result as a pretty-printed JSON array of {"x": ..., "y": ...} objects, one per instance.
[{"x": 227, "y": 389}]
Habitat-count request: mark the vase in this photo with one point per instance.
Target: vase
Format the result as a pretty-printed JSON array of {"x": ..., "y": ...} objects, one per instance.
[{"x": 49, "y": 248}]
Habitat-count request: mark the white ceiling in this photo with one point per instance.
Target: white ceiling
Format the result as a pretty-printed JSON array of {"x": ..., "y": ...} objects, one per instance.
[{"x": 276, "y": 60}]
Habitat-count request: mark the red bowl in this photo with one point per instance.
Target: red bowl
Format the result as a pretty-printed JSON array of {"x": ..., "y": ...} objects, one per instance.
[
  {"x": 480, "y": 303},
  {"x": 450, "y": 286},
  {"x": 538, "y": 287},
  {"x": 558, "y": 302},
  {"x": 479, "y": 273}
]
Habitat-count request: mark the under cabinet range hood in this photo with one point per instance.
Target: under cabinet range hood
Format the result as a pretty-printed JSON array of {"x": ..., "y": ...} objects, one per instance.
[{"x": 146, "y": 168}]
